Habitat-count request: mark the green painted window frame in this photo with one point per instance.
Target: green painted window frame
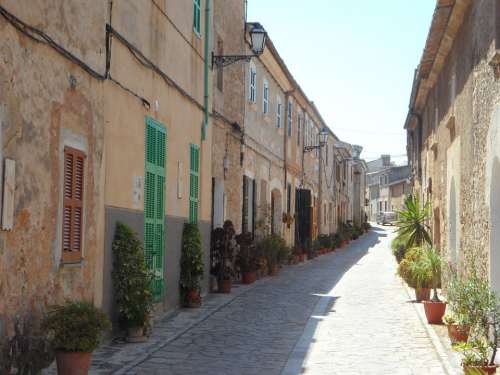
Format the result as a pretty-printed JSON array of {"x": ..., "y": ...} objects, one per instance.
[
  {"x": 197, "y": 16},
  {"x": 155, "y": 162},
  {"x": 194, "y": 183}
]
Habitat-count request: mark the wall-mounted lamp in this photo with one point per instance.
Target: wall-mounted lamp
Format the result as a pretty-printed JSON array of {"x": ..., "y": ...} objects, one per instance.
[
  {"x": 323, "y": 136},
  {"x": 258, "y": 37}
]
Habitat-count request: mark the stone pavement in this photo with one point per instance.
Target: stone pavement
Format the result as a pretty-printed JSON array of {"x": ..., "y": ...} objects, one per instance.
[{"x": 342, "y": 313}]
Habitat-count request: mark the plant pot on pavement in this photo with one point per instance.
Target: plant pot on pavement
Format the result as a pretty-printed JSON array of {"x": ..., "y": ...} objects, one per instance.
[
  {"x": 225, "y": 286},
  {"x": 476, "y": 370},
  {"x": 422, "y": 294},
  {"x": 248, "y": 277},
  {"x": 458, "y": 332},
  {"x": 434, "y": 311},
  {"x": 274, "y": 269},
  {"x": 136, "y": 334},
  {"x": 193, "y": 299},
  {"x": 73, "y": 363}
]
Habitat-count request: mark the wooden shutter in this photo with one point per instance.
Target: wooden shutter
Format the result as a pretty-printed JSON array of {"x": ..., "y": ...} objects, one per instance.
[
  {"x": 197, "y": 16},
  {"x": 194, "y": 182},
  {"x": 74, "y": 163},
  {"x": 244, "y": 210},
  {"x": 154, "y": 203}
]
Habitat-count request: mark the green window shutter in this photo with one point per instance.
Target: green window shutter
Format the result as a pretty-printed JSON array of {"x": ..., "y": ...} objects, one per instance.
[
  {"x": 154, "y": 203},
  {"x": 197, "y": 16},
  {"x": 194, "y": 182}
]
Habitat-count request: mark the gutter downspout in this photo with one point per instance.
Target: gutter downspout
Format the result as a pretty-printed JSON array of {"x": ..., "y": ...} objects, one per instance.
[{"x": 205, "y": 83}]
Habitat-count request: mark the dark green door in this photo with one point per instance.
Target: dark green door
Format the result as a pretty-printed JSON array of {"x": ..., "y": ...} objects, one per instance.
[{"x": 154, "y": 203}]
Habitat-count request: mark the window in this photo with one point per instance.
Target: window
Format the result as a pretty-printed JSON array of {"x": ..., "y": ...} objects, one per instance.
[
  {"x": 278, "y": 112},
  {"x": 253, "y": 83},
  {"x": 289, "y": 118},
  {"x": 194, "y": 184},
  {"x": 326, "y": 154},
  {"x": 197, "y": 16},
  {"x": 220, "y": 69},
  {"x": 299, "y": 126},
  {"x": 288, "y": 198},
  {"x": 265, "y": 97},
  {"x": 74, "y": 163}
]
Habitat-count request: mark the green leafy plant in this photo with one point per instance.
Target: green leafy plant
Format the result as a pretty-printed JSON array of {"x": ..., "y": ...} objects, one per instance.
[
  {"x": 131, "y": 278},
  {"x": 325, "y": 241},
  {"x": 223, "y": 248},
  {"x": 411, "y": 263},
  {"x": 398, "y": 246},
  {"x": 191, "y": 261},
  {"x": 474, "y": 353},
  {"x": 432, "y": 261},
  {"x": 413, "y": 222},
  {"x": 246, "y": 259},
  {"x": 75, "y": 326},
  {"x": 274, "y": 249}
]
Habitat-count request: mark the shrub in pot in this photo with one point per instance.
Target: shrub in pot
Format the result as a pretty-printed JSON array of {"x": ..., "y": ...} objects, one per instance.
[
  {"x": 132, "y": 283},
  {"x": 191, "y": 266},
  {"x": 246, "y": 260},
  {"x": 325, "y": 242},
  {"x": 476, "y": 358},
  {"x": 271, "y": 247},
  {"x": 458, "y": 329},
  {"x": 75, "y": 329},
  {"x": 398, "y": 246},
  {"x": 416, "y": 273},
  {"x": 434, "y": 308},
  {"x": 223, "y": 246}
]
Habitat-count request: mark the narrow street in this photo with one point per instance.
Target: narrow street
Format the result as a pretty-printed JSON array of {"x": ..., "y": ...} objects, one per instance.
[{"x": 343, "y": 313}]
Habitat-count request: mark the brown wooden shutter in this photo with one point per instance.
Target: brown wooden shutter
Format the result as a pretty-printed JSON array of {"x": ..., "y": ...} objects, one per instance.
[{"x": 74, "y": 162}]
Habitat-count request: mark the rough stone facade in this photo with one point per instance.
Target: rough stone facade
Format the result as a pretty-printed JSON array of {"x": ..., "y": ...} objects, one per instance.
[
  {"x": 453, "y": 143},
  {"x": 47, "y": 103}
]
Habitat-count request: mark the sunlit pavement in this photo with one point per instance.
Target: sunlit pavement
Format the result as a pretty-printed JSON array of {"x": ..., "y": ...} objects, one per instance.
[{"x": 342, "y": 313}]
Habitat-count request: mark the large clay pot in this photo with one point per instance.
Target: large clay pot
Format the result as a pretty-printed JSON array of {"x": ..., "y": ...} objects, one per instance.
[
  {"x": 193, "y": 299},
  {"x": 301, "y": 257},
  {"x": 248, "y": 277},
  {"x": 422, "y": 294},
  {"x": 458, "y": 332},
  {"x": 73, "y": 363},
  {"x": 225, "y": 286},
  {"x": 136, "y": 334},
  {"x": 434, "y": 311},
  {"x": 474, "y": 370},
  {"x": 273, "y": 271}
]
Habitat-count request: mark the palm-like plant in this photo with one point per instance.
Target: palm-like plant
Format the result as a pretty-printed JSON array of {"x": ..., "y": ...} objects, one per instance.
[
  {"x": 412, "y": 222},
  {"x": 433, "y": 260}
]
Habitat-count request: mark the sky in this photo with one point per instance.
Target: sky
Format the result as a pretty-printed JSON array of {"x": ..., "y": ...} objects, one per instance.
[{"x": 355, "y": 60}]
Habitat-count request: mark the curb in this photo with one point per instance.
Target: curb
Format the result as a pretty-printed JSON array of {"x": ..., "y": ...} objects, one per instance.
[{"x": 436, "y": 342}]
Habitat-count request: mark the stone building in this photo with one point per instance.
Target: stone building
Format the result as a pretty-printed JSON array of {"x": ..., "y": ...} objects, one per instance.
[
  {"x": 111, "y": 126},
  {"x": 453, "y": 132},
  {"x": 359, "y": 186}
]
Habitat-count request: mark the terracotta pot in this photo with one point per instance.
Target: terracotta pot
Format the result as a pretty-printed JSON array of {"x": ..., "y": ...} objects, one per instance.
[
  {"x": 248, "y": 277},
  {"x": 273, "y": 271},
  {"x": 136, "y": 334},
  {"x": 73, "y": 363},
  {"x": 422, "y": 294},
  {"x": 434, "y": 311},
  {"x": 193, "y": 299},
  {"x": 486, "y": 370},
  {"x": 458, "y": 332},
  {"x": 225, "y": 286},
  {"x": 301, "y": 257}
]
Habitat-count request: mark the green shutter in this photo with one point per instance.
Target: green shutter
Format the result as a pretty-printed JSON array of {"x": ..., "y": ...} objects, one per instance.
[
  {"x": 194, "y": 182},
  {"x": 154, "y": 203},
  {"x": 197, "y": 16}
]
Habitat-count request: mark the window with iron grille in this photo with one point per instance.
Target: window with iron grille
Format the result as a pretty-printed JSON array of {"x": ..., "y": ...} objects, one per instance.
[
  {"x": 253, "y": 83},
  {"x": 299, "y": 127},
  {"x": 74, "y": 164},
  {"x": 278, "y": 112},
  {"x": 289, "y": 118},
  {"x": 265, "y": 98}
]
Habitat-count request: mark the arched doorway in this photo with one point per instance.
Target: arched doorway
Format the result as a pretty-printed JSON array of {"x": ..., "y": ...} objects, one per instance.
[
  {"x": 276, "y": 212},
  {"x": 495, "y": 225}
]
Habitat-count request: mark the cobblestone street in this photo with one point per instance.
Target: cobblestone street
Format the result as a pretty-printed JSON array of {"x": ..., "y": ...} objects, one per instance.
[{"x": 343, "y": 313}]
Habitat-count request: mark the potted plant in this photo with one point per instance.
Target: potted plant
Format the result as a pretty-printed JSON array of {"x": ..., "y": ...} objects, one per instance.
[
  {"x": 270, "y": 247},
  {"x": 246, "y": 259},
  {"x": 131, "y": 282},
  {"x": 476, "y": 358},
  {"x": 434, "y": 308},
  {"x": 458, "y": 329},
  {"x": 223, "y": 248},
  {"x": 288, "y": 219},
  {"x": 412, "y": 223},
  {"x": 191, "y": 266},
  {"x": 325, "y": 242},
  {"x": 416, "y": 273},
  {"x": 75, "y": 329},
  {"x": 298, "y": 251}
]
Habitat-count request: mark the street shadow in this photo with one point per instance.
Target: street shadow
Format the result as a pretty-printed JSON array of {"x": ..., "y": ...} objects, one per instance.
[{"x": 344, "y": 259}]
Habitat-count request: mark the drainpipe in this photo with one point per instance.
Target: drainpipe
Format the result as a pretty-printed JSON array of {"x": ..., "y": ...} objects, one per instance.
[{"x": 206, "y": 54}]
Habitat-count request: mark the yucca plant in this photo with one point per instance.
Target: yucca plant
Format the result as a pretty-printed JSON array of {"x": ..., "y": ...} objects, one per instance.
[{"x": 412, "y": 222}]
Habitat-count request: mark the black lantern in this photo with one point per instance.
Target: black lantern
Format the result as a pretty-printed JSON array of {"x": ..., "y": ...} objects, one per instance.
[{"x": 258, "y": 37}]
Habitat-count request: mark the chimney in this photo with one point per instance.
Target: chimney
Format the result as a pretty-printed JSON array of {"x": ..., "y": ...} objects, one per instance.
[{"x": 386, "y": 160}]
